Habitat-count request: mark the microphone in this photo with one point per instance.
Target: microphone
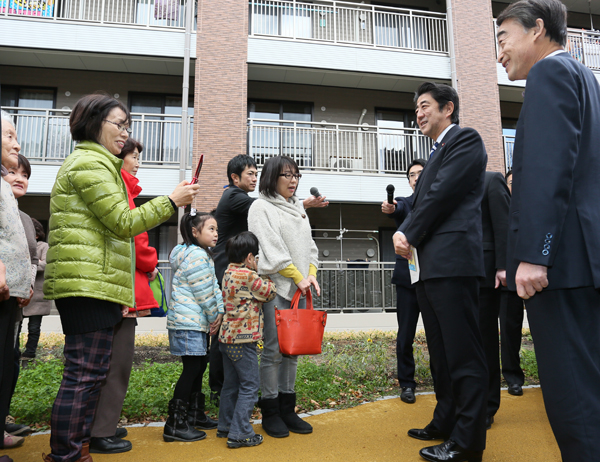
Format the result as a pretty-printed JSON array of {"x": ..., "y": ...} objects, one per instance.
[
  {"x": 390, "y": 192},
  {"x": 315, "y": 192}
]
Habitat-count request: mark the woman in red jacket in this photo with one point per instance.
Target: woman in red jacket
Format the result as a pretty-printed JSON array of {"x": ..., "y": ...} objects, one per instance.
[{"x": 106, "y": 437}]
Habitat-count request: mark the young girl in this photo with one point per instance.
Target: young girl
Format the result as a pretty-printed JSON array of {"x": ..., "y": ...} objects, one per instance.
[{"x": 195, "y": 309}]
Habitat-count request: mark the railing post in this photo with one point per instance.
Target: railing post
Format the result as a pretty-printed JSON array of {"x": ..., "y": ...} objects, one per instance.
[
  {"x": 373, "y": 27},
  {"x": 47, "y": 130},
  {"x": 335, "y": 17}
]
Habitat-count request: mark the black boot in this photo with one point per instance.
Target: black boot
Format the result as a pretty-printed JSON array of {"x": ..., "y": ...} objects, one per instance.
[
  {"x": 287, "y": 408},
  {"x": 196, "y": 416},
  {"x": 271, "y": 420},
  {"x": 177, "y": 427}
]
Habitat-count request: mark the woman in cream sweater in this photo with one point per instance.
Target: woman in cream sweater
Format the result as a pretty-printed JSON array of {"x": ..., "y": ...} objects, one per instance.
[{"x": 288, "y": 255}]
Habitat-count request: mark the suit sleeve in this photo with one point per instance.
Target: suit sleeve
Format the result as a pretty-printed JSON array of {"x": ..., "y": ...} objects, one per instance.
[
  {"x": 460, "y": 170},
  {"x": 553, "y": 117},
  {"x": 402, "y": 210},
  {"x": 499, "y": 203}
]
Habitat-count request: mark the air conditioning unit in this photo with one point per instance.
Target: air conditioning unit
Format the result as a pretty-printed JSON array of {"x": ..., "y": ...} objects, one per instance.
[{"x": 343, "y": 165}]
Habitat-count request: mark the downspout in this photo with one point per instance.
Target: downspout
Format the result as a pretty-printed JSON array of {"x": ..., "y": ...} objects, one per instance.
[{"x": 451, "y": 44}]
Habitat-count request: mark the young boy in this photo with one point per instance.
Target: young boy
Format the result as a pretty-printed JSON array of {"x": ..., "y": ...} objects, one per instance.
[{"x": 244, "y": 292}]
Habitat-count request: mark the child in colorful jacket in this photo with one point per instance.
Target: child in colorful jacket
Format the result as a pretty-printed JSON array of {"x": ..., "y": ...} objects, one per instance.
[{"x": 244, "y": 292}]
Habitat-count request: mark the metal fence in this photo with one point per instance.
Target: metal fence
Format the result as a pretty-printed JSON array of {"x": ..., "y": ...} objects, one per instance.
[
  {"x": 337, "y": 147},
  {"x": 350, "y": 23},
  {"x": 45, "y": 136},
  {"x": 509, "y": 146},
  {"x": 584, "y": 46},
  {"x": 149, "y": 13}
]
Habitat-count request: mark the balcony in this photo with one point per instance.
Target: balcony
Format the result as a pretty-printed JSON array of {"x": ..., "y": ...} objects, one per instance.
[
  {"x": 45, "y": 136},
  {"x": 168, "y": 14},
  {"x": 584, "y": 46},
  {"x": 337, "y": 148},
  {"x": 509, "y": 146},
  {"x": 351, "y": 24}
]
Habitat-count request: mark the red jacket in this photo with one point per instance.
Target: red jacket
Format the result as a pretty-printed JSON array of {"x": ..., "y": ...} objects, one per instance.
[{"x": 145, "y": 256}]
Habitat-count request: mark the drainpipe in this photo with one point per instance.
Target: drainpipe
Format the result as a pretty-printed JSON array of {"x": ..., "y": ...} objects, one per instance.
[
  {"x": 451, "y": 44},
  {"x": 185, "y": 136}
]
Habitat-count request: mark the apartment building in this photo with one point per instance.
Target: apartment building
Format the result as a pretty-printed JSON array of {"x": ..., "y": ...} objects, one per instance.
[{"x": 329, "y": 83}]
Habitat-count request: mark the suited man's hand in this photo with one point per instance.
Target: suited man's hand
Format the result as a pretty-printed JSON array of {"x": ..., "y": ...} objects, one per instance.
[
  {"x": 401, "y": 246},
  {"x": 500, "y": 278},
  {"x": 530, "y": 279},
  {"x": 388, "y": 208}
]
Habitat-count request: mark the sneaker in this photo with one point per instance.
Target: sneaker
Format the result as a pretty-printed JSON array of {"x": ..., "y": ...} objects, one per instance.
[
  {"x": 222, "y": 434},
  {"x": 248, "y": 442},
  {"x": 11, "y": 441}
]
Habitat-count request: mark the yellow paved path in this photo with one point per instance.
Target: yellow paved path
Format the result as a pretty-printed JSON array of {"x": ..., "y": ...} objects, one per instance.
[{"x": 370, "y": 432}]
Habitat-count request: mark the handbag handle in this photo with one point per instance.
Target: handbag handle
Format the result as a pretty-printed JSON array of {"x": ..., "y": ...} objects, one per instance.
[{"x": 296, "y": 300}]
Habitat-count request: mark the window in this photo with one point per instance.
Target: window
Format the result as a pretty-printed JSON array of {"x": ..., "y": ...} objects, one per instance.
[{"x": 398, "y": 147}]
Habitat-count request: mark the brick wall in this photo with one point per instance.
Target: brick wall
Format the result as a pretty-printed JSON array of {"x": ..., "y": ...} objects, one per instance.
[
  {"x": 474, "y": 45},
  {"x": 220, "y": 93}
]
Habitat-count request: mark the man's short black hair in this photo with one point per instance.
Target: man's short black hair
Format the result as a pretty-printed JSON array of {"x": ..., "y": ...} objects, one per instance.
[
  {"x": 239, "y": 246},
  {"x": 270, "y": 174},
  {"x": 89, "y": 113},
  {"x": 443, "y": 94},
  {"x": 421, "y": 162},
  {"x": 552, "y": 12},
  {"x": 237, "y": 165}
]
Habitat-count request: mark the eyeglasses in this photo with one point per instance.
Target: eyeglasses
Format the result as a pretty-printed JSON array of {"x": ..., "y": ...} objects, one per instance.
[
  {"x": 121, "y": 127},
  {"x": 288, "y": 176}
]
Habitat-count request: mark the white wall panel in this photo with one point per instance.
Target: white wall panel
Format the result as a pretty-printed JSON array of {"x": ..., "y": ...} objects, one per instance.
[
  {"x": 344, "y": 58},
  {"x": 503, "y": 78}
]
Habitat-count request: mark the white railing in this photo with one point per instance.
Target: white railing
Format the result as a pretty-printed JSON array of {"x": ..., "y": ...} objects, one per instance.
[
  {"x": 149, "y": 13},
  {"x": 509, "y": 146},
  {"x": 584, "y": 46},
  {"x": 45, "y": 136},
  {"x": 337, "y": 147},
  {"x": 350, "y": 23}
]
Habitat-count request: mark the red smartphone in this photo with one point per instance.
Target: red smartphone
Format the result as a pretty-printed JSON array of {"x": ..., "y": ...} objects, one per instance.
[{"x": 197, "y": 174}]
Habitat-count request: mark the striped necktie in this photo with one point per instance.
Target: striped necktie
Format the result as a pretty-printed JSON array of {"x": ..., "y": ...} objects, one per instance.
[{"x": 433, "y": 148}]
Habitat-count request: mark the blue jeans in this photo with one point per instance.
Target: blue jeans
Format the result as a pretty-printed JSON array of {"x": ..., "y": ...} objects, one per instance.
[
  {"x": 277, "y": 371},
  {"x": 240, "y": 389}
]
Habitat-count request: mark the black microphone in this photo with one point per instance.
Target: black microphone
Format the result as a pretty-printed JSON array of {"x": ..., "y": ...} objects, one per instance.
[
  {"x": 390, "y": 190},
  {"x": 315, "y": 192}
]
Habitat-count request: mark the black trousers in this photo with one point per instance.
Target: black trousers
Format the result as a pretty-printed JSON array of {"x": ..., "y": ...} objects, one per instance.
[
  {"x": 450, "y": 314},
  {"x": 489, "y": 310},
  {"x": 407, "y": 313},
  {"x": 8, "y": 316},
  {"x": 565, "y": 325},
  {"x": 511, "y": 326},
  {"x": 216, "y": 374}
]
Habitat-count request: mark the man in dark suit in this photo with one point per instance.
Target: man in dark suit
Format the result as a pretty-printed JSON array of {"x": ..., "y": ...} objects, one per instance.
[
  {"x": 554, "y": 229},
  {"x": 494, "y": 213},
  {"x": 445, "y": 229},
  {"x": 407, "y": 308}
]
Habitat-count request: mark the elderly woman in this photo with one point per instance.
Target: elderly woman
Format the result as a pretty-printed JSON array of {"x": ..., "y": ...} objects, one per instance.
[
  {"x": 90, "y": 262},
  {"x": 288, "y": 255},
  {"x": 15, "y": 268}
]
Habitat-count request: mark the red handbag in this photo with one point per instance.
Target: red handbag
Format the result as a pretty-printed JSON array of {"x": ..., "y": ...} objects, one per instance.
[{"x": 300, "y": 332}]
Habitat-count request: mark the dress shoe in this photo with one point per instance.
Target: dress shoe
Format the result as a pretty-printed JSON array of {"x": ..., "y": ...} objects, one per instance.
[
  {"x": 489, "y": 420},
  {"x": 17, "y": 429},
  {"x": 109, "y": 445},
  {"x": 121, "y": 432},
  {"x": 515, "y": 389},
  {"x": 450, "y": 451},
  {"x": 425, "y": 434},
  {"x": 408, "y": 395}
]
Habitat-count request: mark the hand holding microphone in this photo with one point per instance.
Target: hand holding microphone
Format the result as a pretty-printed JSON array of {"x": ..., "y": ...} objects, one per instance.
[
  {"x": 316, "y": 200},
  {"x": 388, "y": 207}
]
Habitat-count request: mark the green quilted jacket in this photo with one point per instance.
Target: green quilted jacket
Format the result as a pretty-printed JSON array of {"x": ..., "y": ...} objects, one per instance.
[{"x": 91, "y": 251}]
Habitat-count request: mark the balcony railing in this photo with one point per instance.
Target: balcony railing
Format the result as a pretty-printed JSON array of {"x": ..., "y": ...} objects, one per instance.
[
  {"x": 331, "y": 147},
  {"x": 584, "y": 46},
  {"x": 149, "y": 13},
  {"x": 509, "y": 146},
  {"x": 45, "y": 136},
  {"x": 350, "y": 24}
]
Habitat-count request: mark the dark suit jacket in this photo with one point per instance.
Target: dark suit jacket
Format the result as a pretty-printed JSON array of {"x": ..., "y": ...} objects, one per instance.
[
  {"x": 494, "y": 213},
  {"x": 555, "y": 206},
  {"x": 232, "y": 219},
  {"x": 401, "y": 276},
  {"x": 445, "y": 223}
]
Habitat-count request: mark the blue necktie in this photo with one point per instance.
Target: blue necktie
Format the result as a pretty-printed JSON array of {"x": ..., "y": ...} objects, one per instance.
[{"x": 433, "y": 148}]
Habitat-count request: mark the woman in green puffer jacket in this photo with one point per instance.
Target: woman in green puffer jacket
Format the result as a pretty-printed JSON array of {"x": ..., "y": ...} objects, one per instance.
[{"x": 90, "y": 264}]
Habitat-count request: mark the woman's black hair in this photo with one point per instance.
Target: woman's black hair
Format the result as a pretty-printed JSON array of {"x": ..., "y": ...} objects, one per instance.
[
  {"x": 25, "y": 165},
  {"x": 40, "y": 235},
  {"x": 89, "y": 114},
  {"x": 270, "y": 174},
  {"x": 130, "y": 145},
  {"x": 239, "y": 246},
  {"x": 191, "y": 220}
]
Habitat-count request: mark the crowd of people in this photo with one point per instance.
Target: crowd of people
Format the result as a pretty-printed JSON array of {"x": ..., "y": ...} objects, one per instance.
[{"x": 476, "y": 245}]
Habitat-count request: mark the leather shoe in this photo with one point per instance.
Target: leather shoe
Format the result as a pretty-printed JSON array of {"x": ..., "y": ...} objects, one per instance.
[
  {"x": 515, "y": 389},
  {"x": 425, "y": 434},
  {"x": 489, "y": 420},
  {"x": 121, "y": 432},
  {"x": 408, "y": 395},
  {"x": 109, "y": 445},
  {"x": 450, "y": 451}
]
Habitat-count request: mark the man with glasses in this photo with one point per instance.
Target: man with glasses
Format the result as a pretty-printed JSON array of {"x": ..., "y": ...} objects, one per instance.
[{"x": 407, "y": 308}]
